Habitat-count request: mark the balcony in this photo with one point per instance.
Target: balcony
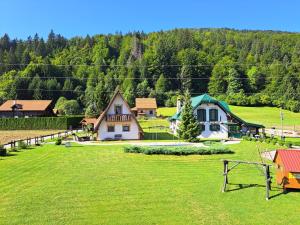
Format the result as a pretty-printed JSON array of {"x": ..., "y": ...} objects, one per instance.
[{"x": 118, "y": 118}]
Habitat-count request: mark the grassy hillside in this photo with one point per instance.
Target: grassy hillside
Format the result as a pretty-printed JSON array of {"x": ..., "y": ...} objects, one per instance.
[
  {"x": 104, "y": 185},
  {"x": 268, "y": 116}
]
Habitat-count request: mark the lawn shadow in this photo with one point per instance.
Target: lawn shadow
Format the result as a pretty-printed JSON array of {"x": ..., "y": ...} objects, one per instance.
[{"x": 243, "y": 186}]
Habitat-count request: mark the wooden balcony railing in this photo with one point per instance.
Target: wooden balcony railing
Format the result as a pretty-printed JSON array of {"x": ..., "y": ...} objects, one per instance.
[{"x": 118, "y": 118}]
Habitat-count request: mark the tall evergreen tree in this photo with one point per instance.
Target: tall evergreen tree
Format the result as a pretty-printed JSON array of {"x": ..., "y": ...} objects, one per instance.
[{"x": 189, "y": 128}]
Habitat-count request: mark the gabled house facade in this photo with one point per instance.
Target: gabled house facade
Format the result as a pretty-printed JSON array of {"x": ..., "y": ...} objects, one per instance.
[
  {"x": 117, "y": 122},
  {"x": 145, "y": 107},
  {"x": 215, "y": 119}
]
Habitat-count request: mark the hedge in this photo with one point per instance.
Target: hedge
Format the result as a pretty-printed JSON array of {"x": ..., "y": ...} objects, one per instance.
[
  {"x": 177, "y": 150},
  {"x": 39, "y": 123}
]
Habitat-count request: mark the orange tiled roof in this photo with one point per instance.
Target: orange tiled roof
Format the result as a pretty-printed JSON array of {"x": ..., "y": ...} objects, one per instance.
[
  {"x": 145, "y": 103},
  {"x": 27, "y": 105}
]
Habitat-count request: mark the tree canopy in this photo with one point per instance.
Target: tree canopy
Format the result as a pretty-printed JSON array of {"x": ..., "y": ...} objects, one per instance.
[{"x": 241, "y": 67}]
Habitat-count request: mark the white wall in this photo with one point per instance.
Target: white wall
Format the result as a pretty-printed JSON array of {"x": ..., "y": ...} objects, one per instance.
[
  {"x": 147, "y": 112},
  {"x": 118, "y": 101},
  {"x": 222, "y": 134},
  {"x": 133, "y": 134}
]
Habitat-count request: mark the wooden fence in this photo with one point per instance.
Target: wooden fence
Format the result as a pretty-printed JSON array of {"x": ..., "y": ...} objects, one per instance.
[{"x": 39, "y": 139}]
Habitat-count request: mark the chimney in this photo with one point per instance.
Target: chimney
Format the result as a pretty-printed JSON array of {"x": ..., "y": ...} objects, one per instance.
[{"x": 179, "y": 104}]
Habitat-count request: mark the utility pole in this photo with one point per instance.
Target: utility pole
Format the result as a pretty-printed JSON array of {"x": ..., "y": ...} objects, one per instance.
[{"x": 281, "y": 120}]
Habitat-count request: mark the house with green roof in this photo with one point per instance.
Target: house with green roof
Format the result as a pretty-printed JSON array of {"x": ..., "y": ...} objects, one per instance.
[{"x": 216, "y": 119}]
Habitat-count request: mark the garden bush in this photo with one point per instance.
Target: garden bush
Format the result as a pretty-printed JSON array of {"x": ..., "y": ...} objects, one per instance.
[
  {"x": 22, "y": 145},
  {"x": 58, "y": 141},
  {"x": 177, "y": 150},
  {"x": 3, "y": 151}
]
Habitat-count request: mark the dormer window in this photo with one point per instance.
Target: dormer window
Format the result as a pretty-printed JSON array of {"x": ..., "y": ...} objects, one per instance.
[
  {"x": 213, "y": 115},
  {"x": 201, "y": 115},
  {"x": 118, "y": 109}
]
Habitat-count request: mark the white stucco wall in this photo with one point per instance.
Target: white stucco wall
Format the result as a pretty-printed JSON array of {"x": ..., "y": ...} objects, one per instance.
[
  {"x": 207, "y": 133},
  {"x": 147, "y": 112},
  {"x": 130, "y": 135},
  {"x": 133, "y": 134},
  {"x": 118, "y": 101}
]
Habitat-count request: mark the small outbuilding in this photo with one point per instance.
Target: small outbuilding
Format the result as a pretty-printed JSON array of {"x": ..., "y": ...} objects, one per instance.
[
  {"x": 288, "y": 168},
  {"x": 88, "y": 123},
  {"x": 145, "y": 107}
]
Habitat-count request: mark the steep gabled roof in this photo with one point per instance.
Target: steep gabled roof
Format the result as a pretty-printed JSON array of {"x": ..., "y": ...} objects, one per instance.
[
  {"x": 205, "y": 98},
  {"x": 26, "y": 105},
  {"x": 102, "y": 115},
  {"x": 290, "y": 159},
  {"x": 145, "y": 103}
]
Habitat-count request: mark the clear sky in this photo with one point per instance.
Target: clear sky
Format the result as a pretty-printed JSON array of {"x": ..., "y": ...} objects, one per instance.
[{"x": 70, "y": 18}]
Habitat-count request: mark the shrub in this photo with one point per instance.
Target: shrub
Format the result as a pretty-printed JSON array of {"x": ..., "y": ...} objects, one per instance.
[
  {"x": 288, "y": 144},
  {"x": 58, "y": 141},
  {"x": 3, "y": 151},
  {"x": 22, "y": 145},
  {"x": 175, "y": 150},
  {"x": 281, "y": 143},
  {"x": 267, "y": 140},
  {"x": 274, "y": 141}
]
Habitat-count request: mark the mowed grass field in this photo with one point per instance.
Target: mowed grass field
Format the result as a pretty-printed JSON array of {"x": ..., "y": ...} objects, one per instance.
[
  {"x": 268, "y": 116},
  {"x": 103, "y": 185},
  {"x": 8, "y": 135}
]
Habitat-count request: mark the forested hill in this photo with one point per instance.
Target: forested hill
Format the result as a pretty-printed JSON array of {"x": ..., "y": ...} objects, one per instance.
[{"x": 241, "y": 67}]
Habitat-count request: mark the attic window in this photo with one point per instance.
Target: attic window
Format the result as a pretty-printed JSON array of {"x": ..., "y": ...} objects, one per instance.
[
  {"x": 213, "y": 115},
  {"x": 118, "y": 109}
]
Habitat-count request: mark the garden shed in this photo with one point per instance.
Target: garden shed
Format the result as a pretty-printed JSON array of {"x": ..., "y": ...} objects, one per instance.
[{"x": 288, "y": 168}]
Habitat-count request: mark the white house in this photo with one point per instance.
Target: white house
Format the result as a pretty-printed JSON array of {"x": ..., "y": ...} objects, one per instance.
[
  {"x": 215, "y": 119},
  {"x": 117, "y": 121}
]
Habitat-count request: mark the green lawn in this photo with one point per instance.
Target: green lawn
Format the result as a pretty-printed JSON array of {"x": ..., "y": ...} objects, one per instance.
[
  {"x": 166, "y": 111},
  {"x": 268, "y": 116},
  {"x": 156, "y": 129},
  {"x": 104, "y": 185}
]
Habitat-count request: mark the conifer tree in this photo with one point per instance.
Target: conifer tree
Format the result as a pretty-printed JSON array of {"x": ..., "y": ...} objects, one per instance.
[{"x": 189, "y": 128}]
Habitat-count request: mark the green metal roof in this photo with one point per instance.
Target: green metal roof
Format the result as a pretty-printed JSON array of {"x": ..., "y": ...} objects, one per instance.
[{"x": 205, "y": 98}]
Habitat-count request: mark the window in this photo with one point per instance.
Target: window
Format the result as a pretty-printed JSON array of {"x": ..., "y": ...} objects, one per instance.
[
  {"x": 110, "y": 128},
  {"x": 151, "y": 112},
  {"x": 118, "y": 109},
  {"x": 202, "y": 127},
  {"x": 126, "y": 128},
  {"x": 201, "y": 115},
  {"x": 214, "y": 127},
  {"x": 213, "y": 115}
]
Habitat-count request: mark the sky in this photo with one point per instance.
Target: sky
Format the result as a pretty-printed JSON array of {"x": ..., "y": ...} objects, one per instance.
[{"x": 20, "y": 18}]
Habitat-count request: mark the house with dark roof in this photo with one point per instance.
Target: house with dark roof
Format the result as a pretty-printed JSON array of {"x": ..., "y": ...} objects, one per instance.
[
  {"x": 287, "y": 168},
  {"x": 145, "y": 107},
  {"x": 117, "y": 122},
  {"x": 26, "y": 108},
  {"x": 215, "y": 118}
]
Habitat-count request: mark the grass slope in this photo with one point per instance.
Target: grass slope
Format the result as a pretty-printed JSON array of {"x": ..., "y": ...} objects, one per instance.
[
  {"x": 268, "y": 116},
  {"x": 104, "y": 185}
]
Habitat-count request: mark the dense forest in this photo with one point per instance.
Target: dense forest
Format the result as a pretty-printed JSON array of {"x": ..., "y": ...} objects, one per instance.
[{"x": 241, "y": 67}]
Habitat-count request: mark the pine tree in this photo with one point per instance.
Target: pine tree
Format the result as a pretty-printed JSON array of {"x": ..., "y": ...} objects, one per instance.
[
  {"x": 234, "y": 82},
  {"x": 189, "y": 128}
]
